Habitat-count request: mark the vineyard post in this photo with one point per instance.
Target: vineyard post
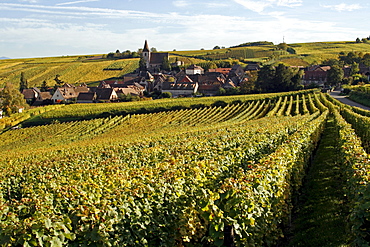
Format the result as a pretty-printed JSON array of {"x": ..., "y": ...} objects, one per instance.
[{"x": 229, "y": 236}]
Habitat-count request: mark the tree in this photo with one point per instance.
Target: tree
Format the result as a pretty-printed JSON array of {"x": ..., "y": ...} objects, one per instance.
[
  {"x": 335, "y": 75},
  {"x": 142, "y": 64},
  {"x": 282, "y": 46},
  {"x": 221, "y": 91},
  {"x": 297, "y": 80},
  {"x": 212, "y": 65},
  {"x": 58, "y": 81},
  {"x": 44, "y": 86},
  {"x": 216, "y": 47},
  {"x": 11, "y": 99},
  {"x": 170, "y": 79},
  {"x": 134, "y": 54},
  {"x": 153, "y": 49},
  {"x": 358, "y": 40},
  {"x": 291, "y": 50},
  {"x": 265, "y": 79},
  {"x": 286, "y": 79},
  {"x": 23, "y": 82},
  {"x": 355, "y": 69},
  {"x": 166, "y": 64},
  {"x": 332, "y": 62},
  {"x": 366, "y": 59},
  {"x": 247, "y": 87},
  {"x": 279, "y": 79},
  {"x": 110, "y": 55}
]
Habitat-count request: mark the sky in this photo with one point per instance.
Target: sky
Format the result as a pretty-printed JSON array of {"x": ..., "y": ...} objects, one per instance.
[{"x": 47, "y": 28}]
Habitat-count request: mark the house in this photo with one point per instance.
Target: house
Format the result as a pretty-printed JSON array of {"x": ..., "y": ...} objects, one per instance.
[
  {"x": 209, "y": 78},
  {"x": 194, "y": 70},
  {"x": 127, "y": 91},
  {"x": 224, "y": 71},
  {"x": 364, "y": 70},
  {"x": 43, "y": 98},
  {"x": 1, "y": 114},
  {"x": 87, "y": 97},
  {"x": 153, "y": 60},
  {"x": 105, "y": 94},
  {"x": 252, "y": 66},
  {"x": 35, "y": 97},
  {"x": 209, "y": 83},
  {"x": 316, "y": 75},
  {"x": 209, "y": 89},
  {"x": 178, "y": 63},
  {"x": 68, "y": 93},
  {"x": 185, "y": 88},
  {"x": 146, "y": 80},
  {"x": 237, "y": 71},
  {"x": 133, "y": 85},
  {"x": 30, "y": 95}
]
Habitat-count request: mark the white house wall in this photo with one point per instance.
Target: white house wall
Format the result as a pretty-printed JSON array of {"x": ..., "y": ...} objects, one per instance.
[{"x": 57, "y": 96}]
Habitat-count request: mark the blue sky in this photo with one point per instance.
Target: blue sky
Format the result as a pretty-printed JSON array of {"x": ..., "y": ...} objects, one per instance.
[{"x": 43, "y": 28}]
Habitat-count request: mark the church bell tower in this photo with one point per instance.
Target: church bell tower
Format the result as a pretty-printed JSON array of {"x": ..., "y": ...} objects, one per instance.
[{"x": 146, "y": 54}]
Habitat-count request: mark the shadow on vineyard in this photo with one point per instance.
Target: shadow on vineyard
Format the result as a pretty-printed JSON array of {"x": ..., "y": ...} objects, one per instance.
[{"x": 320, "y": 215}]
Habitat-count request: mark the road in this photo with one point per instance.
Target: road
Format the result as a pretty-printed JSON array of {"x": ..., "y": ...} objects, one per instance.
[{"x": 343, "y": 99}]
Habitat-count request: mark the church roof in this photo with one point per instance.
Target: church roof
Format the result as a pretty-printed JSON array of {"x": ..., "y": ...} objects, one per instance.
[
  {"x": 146, "y": 46},
  {"x": 157, "y": 58}
]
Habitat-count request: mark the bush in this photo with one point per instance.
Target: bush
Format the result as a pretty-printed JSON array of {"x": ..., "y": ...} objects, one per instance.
[
  {"x": 219, "y": 103},
  {"x": 166, "y": 95}
]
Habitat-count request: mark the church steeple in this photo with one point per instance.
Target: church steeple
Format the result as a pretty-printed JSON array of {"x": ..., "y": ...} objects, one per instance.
[
  {"x": 146, "y": 47},
  {"x": 146, "y": 54}
]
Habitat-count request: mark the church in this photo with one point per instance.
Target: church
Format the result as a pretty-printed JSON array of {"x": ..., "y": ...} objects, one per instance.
[{"x": 153, "y": 60}]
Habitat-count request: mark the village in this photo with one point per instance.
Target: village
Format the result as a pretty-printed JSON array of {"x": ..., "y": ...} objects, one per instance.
[{"x": 190, "y": 82}]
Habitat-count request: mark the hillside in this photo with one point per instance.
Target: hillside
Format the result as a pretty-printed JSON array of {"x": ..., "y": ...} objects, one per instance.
[
  {"x": 92, "y": 69},
  {"x": 184, "y": 173},
  {"x": 72, "y": 69}
]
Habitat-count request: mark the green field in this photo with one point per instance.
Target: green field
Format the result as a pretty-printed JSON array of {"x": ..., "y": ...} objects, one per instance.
[{"x": 180, "y": 172}]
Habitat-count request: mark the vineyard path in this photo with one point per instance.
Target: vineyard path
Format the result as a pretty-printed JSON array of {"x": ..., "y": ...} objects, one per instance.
[
  {"x": 320, "y": 214},
  {"x": 336, "y": 95}
]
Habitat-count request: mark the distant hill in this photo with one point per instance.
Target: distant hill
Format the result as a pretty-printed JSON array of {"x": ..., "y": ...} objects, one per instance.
[
  {"x": 1, "y": 58},
  {"x": 92, "y": 69}
]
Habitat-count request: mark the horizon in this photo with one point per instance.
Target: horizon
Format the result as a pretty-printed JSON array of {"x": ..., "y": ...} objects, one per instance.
[
  {"x": 169, "y": 51},
  {"x": 38, "y": 28}
]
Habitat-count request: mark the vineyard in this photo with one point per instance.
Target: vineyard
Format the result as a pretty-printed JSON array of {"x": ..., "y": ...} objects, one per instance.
[
  {"x": 187, "y": 172},
  {"x": 72, "y": 70}
]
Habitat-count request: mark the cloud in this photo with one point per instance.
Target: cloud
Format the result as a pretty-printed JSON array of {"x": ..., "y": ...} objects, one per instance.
[
  {"x": 289, "y": 3},
  {"x": 216, "y": 5},
  {"x": 343, "y": 7},
  {"x": 82, "y": 1},
  {"x": 57, "y": 30},
  {"x": 180, "y": 3},
  {"x": 29, "y": 1},
  {"x": 80, "y": 11},
  {"x": 260, "y": 5},
  {"x": 253, "y": 5}
]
